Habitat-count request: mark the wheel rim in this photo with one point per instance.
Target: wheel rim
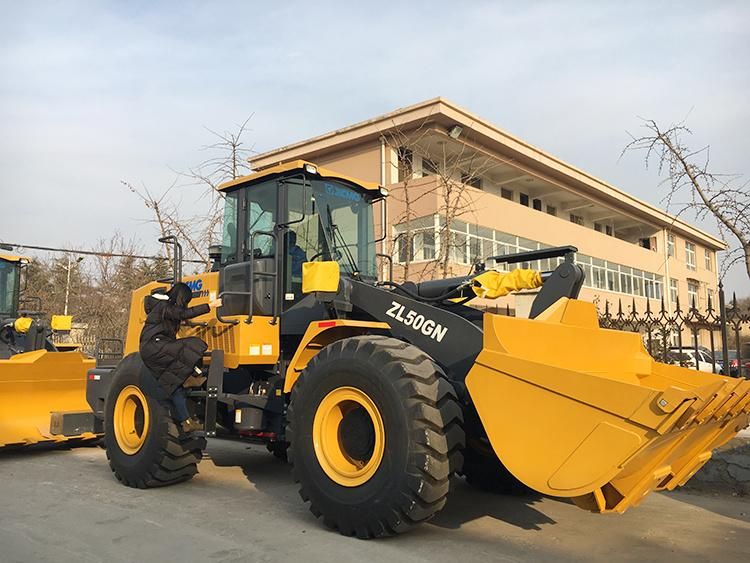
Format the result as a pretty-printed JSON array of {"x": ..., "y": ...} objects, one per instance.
[
  {"x": 131, "y": 419},
  {"x": 348, "y": 436}
]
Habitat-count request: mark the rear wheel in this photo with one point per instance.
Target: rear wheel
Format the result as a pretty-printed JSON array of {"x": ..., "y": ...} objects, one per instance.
[
  {"x": 144, "y": 446},
  {"x": 375, "y": 434}
]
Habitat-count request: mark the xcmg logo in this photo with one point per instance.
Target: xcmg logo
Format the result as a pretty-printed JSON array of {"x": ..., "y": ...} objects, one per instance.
[{"x": 195, "y": 285}]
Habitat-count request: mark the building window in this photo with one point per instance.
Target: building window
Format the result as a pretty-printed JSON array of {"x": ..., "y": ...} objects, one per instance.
[
  {"x": 709, "y": 261},
  {"x": 552, "y": 210},
  {"x": 670, "y": 244},
  {"x": 674, "y": 293},
  {"x": 537, "y": 203},
  {"x": 429, "y": 168},
  {"x": 506, "y": 194},
  {"x": 690, "y": 255},
  {"x": 692, "y": 293},
  {"x": 404, "y": 249},
  {"x": 405, "y": 163},
  {"x": 577, "y": 219},
  {"x": 524, "y": 199},
  {"x": 471, "y": 180},
  {"x": 424, "y": 245},
  {"x": 598, "y": 227},
  {"x": 710, "y": 298},
  {"x": 469, "y": 242},
  {"x": 608, "y": 230}
]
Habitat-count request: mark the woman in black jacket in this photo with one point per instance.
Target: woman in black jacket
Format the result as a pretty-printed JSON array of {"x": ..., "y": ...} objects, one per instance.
[{"x": 173, "y": 360}]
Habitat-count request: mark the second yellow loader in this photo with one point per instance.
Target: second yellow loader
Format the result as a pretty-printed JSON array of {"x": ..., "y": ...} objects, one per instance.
[{"x": 42, "y": 390}]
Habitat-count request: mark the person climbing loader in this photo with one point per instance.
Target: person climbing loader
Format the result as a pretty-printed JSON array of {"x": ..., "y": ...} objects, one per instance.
[{"x": 382, "y": 391}]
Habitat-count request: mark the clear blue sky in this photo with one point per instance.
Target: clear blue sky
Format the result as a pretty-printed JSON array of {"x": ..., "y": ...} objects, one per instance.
[{"x": 95, "y": 92}]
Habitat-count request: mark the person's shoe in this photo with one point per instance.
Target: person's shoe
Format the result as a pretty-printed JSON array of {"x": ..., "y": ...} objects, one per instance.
[
  {"x": 194, "y": 381},
  {"x": 193, "y": 427}
]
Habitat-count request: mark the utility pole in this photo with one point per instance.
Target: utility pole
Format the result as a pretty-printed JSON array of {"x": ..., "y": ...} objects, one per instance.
[{"x": 67, "y": 283}]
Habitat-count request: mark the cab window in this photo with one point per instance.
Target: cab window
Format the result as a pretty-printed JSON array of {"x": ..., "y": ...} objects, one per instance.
[
  {"x": 229, "y": 228},
  {"x": 261, "y": 216},
  {"x": 8, "y": 287}
]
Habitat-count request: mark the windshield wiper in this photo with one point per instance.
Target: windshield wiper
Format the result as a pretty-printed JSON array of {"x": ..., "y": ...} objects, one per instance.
[{"x": 334, "y": 230}]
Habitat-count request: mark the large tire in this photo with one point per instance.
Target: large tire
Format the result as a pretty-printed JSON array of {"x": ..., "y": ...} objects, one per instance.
[
  {"x": 399, "y": 427},
  {"x": 144, "y": 446}
]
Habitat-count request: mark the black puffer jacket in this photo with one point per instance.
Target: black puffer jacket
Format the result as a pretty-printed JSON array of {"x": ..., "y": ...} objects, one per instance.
[{"x": 170, "y": 359}]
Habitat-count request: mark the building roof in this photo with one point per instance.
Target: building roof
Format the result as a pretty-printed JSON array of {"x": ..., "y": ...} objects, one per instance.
[{"x": 519, "y": 153}]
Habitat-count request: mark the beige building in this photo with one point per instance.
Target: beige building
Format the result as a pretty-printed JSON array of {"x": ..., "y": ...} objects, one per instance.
[{"x": 463, "y": 189}]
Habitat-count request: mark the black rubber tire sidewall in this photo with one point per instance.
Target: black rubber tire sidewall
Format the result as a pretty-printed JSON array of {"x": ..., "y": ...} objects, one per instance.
[{"x": 389, "y": 479}]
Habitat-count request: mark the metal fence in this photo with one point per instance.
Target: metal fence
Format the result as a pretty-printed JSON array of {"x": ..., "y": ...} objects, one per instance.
[
  {"x": 668, "y": 335},
  {"x": 664, "y": 332}
]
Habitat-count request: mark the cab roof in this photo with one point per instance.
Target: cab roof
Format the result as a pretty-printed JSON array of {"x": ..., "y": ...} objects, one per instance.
[
  {"x": 14, "y": 257},
  {"x": 292, "y": 166}
]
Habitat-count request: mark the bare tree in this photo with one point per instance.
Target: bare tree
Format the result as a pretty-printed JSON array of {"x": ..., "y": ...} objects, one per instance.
[
  {"x": 227, "y": 161},
  {"x": 707, "y": 194},
  {"x": 455, "y": 167}
]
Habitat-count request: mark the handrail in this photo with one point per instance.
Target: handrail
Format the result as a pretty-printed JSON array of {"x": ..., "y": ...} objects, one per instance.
[
  {"x": 176, "y": 258},
  {"x": 274, "y": 275},
  {"x": 220, "y": 318},
  {"x": 390, "y": 264}
]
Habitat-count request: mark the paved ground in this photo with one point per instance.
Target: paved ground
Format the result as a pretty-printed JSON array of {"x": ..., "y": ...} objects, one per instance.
[{"x": 66, "y": 506}]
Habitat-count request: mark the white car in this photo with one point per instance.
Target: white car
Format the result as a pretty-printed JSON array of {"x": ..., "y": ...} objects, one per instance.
[{"x": 686, "y": 357}]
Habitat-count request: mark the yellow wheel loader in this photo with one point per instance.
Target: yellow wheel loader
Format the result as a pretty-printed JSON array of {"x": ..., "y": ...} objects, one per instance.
[
  {"x": 378, "y": 392},
  {"x": 42, "y": 389}
]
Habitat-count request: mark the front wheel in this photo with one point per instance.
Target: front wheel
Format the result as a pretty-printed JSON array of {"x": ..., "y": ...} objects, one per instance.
[
  {"x": 144, "y": 446},
  {"x": 375, "y": 433}
]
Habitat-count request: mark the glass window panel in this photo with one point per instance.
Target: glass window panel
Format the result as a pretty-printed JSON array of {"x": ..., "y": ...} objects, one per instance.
[
  {"x": 626, "y": 283},
  {"x": 459, "y": 226},
  {"x": 637, "y": 286},
  {"x": 484, "y": 232},
  {"x": 506, "y": 238}
]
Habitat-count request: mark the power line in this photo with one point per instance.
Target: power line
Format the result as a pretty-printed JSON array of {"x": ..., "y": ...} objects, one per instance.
[{"x": 94, "y": 252}]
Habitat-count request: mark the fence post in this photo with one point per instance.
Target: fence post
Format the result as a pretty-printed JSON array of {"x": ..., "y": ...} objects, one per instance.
[{"x": 723, "y": 321}]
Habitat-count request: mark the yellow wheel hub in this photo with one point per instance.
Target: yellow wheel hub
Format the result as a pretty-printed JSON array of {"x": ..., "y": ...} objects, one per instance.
[
  {"x": 348, "y": 436},
  {"x": 131, "y": 419}
]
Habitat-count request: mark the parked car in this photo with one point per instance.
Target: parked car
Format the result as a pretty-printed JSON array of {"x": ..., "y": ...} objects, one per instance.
[
  {"x": 734, "y": 364},
  {"x": 687, "y": 357}
]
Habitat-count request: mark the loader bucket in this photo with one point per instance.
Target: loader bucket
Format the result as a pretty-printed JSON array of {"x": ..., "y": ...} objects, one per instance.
[
  {"x": 577, "y": 411},
  {"x": 36, "y": 389}
]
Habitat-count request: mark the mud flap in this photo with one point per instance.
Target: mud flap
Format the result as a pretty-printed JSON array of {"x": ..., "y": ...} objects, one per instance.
[{"x": 576, "y": 411}]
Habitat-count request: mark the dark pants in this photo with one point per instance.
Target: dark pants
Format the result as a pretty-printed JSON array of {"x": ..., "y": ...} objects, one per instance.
[{"x": 179, "y": 402}]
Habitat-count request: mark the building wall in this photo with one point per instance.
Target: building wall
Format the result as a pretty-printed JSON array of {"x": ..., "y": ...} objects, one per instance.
[{"x": 361, "y": 161}]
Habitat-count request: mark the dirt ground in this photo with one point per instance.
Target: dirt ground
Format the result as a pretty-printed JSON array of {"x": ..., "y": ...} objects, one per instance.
[{"x": 66, "y": 506}]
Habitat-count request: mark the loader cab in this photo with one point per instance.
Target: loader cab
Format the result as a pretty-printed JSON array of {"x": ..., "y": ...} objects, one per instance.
[
  {"x": 276, "y": 220},
  {"x": 10, "y": 283}
]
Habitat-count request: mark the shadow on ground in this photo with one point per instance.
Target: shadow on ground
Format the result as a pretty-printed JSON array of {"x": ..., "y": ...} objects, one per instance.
[
  {"x": 715, "y": 502},
  {"x": 465, "y": 504}
]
